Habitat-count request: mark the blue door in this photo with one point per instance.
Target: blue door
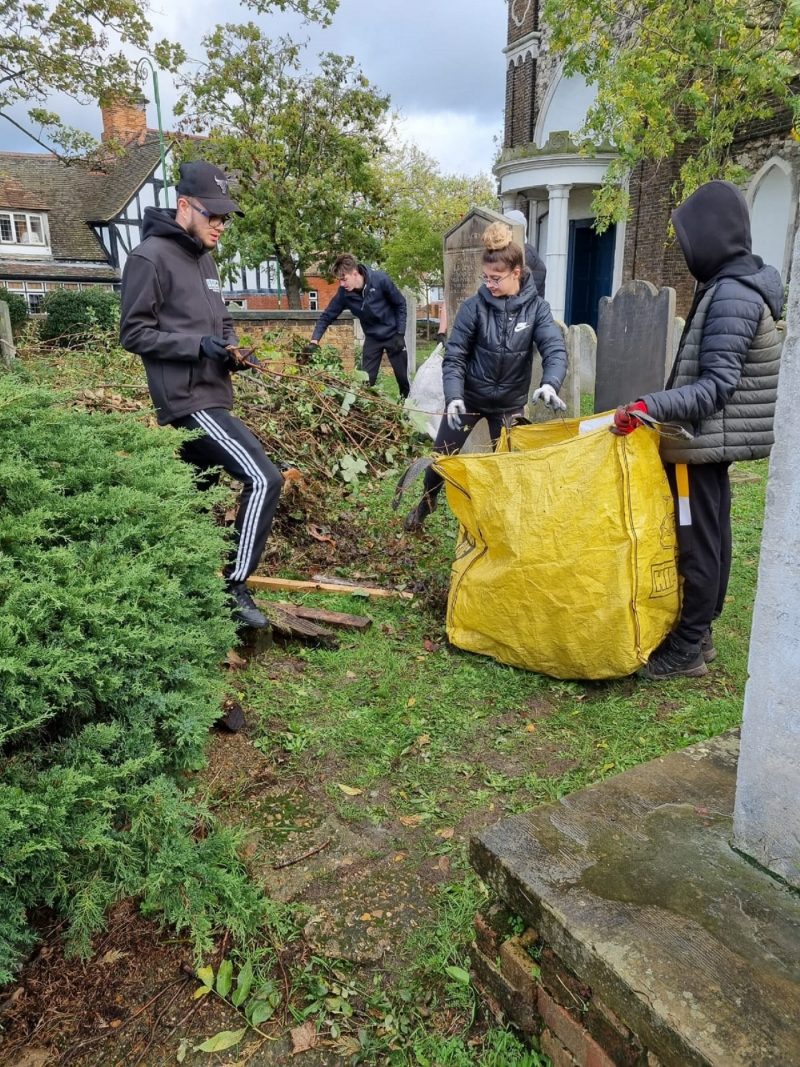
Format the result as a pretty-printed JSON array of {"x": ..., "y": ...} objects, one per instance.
[{"x": 590, "y": 271}]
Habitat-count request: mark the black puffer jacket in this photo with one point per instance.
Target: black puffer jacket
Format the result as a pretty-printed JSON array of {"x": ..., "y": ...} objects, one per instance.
[
  {"x": 729, "y": 350},
  {"x": 487, "y": 362}
]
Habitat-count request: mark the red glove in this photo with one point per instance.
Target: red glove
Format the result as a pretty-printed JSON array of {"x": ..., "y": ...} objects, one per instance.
[{"x": 625, "y": 420}]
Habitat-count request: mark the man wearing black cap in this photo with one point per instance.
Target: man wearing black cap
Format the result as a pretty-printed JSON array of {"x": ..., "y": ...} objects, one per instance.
[{"x": 174, "y": 317}]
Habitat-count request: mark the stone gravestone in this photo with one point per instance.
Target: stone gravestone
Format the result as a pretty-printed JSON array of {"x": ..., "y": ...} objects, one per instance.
[
  {"x": 7, "y": 349},
  {"x": 570, "y": 391},
  {"x": 766, "y": 823},
  {"x": 411, "y": 332},
  {"x": 634, "y": 343},
  {"x": 463, "y": 249}
]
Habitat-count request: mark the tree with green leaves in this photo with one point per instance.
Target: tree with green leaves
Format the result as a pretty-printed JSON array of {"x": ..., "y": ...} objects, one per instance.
[
  {"x": 424, "y": 204},
  {"x": 302, "y": 146},
  {"x": 63, "y": 47},
  {"x": 672, "y": 74}
]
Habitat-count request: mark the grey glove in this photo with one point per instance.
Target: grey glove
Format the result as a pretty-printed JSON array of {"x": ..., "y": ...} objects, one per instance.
[
  {"x": 550, "y": 397},
  {"x": 215, "y": 348},
  {"x": 455, "y": 409}
]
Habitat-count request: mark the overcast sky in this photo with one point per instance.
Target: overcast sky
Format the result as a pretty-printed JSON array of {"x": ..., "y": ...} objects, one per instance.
[{"x": 440, "y": 61}]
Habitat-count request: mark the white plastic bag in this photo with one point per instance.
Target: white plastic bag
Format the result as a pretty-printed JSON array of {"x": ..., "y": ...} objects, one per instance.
[{"x": 425, "y": 402}]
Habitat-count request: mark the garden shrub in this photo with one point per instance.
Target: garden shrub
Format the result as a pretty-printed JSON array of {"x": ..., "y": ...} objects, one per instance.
[
  {"x": 17, "y": 309},
  {"x": 71, "y": 316},
  {"x": 113, "y": 624}
]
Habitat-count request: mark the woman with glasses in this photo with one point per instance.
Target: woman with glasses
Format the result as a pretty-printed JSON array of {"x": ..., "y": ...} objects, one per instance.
[{"x": 488, "y": 358}]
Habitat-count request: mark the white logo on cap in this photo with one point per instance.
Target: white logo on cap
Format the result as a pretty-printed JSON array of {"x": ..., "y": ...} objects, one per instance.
[{"x": 223, "y": 185}]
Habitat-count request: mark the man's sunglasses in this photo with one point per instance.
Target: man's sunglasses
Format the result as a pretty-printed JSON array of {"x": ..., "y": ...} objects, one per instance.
[{"x": 213, "y": 220}]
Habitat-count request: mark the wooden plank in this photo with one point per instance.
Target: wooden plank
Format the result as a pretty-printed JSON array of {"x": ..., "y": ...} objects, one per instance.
[
  {"x": 258, "y": 582},
  {"x": 331, "y": 618},
  {"x": 285, "y": 624}
]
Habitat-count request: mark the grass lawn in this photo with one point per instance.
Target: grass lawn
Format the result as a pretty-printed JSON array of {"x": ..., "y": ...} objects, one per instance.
[{"x": 364, "y": 770}]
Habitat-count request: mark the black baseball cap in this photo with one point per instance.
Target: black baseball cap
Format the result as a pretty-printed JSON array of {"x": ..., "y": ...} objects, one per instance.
[{"x": 209, "y": 185}]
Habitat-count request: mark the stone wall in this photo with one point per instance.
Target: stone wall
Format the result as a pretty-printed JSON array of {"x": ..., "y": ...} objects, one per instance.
[{"x": 283, "y": 326}]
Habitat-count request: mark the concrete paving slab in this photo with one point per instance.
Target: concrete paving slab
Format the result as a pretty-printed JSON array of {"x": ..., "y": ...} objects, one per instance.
[{"x": 635, "y": 885}]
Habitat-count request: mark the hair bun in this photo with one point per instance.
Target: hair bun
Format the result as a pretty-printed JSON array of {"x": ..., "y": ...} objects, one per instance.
[{"x": 497, "y": 236}]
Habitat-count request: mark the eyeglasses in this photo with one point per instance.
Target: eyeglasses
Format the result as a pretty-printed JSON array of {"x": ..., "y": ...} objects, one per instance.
[
  {"x": 495, "y": 280},
  {"x": 213, "y": 220}
]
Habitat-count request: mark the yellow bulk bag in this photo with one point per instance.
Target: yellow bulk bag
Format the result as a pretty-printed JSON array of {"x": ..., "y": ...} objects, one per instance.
[{"x": 566, "y": 560}]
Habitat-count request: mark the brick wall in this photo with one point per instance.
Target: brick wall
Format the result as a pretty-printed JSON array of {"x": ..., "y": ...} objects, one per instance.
[
  {"x": 269, "y": 301},
  {"x": 650, "y": 253},
  {"x": 283, "y": 327},
  {"x": 525, "y": 983}
]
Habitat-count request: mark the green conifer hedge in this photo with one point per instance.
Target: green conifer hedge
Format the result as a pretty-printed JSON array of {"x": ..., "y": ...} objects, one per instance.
[{"x": 112, "y": 628}]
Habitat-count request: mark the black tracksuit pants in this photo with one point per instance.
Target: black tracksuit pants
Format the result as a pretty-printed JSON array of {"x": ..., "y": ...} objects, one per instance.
[
  {"x": 227, "y": 443},
  {"x": 449, "y": 441},
  {"x": 704, "y": 547},
  {"x": 371, "y": 355}
]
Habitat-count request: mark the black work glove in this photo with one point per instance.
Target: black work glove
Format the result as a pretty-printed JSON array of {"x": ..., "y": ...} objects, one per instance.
[
  {"x": 397, "y": 343},
  {"x": 441, "y": 338},
  {"x": 215, "y": 348},
  {"x": 309, "y": 350}
]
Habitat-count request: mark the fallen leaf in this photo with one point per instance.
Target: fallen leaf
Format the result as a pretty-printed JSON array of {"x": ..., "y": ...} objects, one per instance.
[
  {"x": 304, "y": 1038},
  {"x": 351, "y": 675},
  {"x": 377, "y": 913},
  {"x": 366, "y": 917},
  {"x": 444, "y": 864},
  {"x": 411, "y": 702},
  {"x": 114, "y": 955},
  {"x": 445, "y": 833},
  {"x": 234, "y": 660},
  {"x": 223, "y": 1040},
  {"x": 348, "y": 1046},
  {"x": 319, "y": 535},
  {"x": 458, "y": 974},
  {"x": 399, "y": 857},
  {"x": 350, "y": 790},
  {"x": 410, "y": 820},
  {"x": 530, "y": 728},
  {"x": 430, "y": 646},
  {"x": 423, "y": 739}
]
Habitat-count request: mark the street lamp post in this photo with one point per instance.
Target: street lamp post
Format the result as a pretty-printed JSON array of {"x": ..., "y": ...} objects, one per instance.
[{"x": 145, "y": 61}]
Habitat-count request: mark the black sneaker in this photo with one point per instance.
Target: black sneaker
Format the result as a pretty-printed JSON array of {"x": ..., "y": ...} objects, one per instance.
[
  {"x": 244, "y": 608},
  {"x": 417, "y": 516},
  {"x": 707, "y": 647},
  {"x": 673, "y": 659}
]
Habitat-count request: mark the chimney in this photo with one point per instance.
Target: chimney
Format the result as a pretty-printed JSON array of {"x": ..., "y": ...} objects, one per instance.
[{"x": 124, "y": 119}]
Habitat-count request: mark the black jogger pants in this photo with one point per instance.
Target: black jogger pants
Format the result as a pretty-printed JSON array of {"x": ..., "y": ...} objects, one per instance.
[
  {"x": 704, "y": 547},
  {"x": 227, "y": 443}
]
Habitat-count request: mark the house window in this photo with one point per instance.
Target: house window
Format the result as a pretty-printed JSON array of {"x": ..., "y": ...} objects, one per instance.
[
  {"x": 20, "y": 228},
  {"x": 313, "y": 300},
  {"x": 32, "y": 291}
]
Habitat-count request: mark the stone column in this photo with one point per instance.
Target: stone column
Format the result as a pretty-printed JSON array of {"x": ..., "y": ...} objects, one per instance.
[
  {"x": 766, "y": 822},
  {"x": 557, "y": 249}
]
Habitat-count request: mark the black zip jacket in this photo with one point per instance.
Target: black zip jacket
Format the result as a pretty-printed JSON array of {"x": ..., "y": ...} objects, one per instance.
[
  {"x": 171, "y": 298},
  {"x": 488, "y": 358},
  {"x": 380, "y": 306}
]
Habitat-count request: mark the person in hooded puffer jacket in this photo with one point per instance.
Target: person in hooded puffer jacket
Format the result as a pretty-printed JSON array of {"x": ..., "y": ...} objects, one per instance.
[
  {"x": 488, "y": 358},
  {"x": 722, "y": 388}
]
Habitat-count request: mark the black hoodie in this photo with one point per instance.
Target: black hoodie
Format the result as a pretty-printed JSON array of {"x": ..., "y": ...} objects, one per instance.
[
  {"x": 713, "y": 228},
  {"x": 171, "y": 298}
]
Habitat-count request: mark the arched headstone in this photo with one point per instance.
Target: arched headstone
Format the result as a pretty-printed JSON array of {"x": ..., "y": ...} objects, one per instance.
[
  {"x": 463, "y": 249},
  {"x": 634, "y": 343}
]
